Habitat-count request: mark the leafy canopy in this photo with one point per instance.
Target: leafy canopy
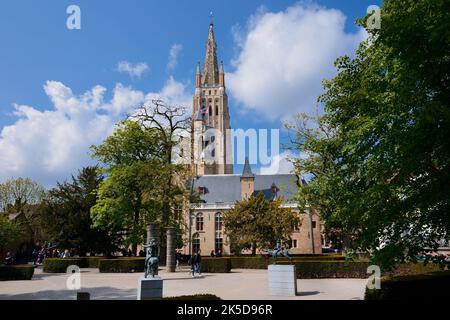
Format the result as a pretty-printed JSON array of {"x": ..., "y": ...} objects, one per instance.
[
  {"x": 258, "y": 223},
  {"x": 379, "y": 157}
]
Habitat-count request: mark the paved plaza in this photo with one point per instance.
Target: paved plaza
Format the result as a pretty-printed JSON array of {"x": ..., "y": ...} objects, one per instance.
[{"x": 239, "y": 284}]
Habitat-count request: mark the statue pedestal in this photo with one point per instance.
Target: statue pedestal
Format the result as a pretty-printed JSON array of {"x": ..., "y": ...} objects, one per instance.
[
  {"x": 282, "y": 280},
  {"x": 150, "y": 288}
]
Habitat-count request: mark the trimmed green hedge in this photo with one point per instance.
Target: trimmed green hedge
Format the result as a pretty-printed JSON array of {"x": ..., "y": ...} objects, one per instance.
[
  {"x": 331, "y": 269},
  {"x": 90, "y": 262},
  {"x": 16, "y": 272},
  {"x": 413, "y": 287},
  {"x": 121, "y": 265},
  {"x": 216, "y": 265},
  {"x": 261, "y": 262},
  {"x": 59, "y": 265}
]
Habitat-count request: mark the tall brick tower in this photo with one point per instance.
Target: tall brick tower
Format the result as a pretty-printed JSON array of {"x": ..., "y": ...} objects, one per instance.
[{"x": 211, "y": 139}]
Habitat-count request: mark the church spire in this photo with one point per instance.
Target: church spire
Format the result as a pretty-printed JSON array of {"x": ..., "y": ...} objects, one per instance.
[{"x": 211, "y": 68}]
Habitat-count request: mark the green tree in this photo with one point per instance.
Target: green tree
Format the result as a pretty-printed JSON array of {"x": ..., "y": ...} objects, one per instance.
[
  {"x": 172, "y": 125},
  {"x": 15, "y": 194},
  {"x": 130, "y": 197},
  {"x": 380, "y": 155},
  {"x": 65, "y": 215},
  {"x": 10, "y": 233},
  {"x": 258, "y": 223}
]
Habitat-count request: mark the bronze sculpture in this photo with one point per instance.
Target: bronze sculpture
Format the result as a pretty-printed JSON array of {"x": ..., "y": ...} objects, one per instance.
[
  {"x": 151, "y": 259},
  {"x": 278, "y": 251}
]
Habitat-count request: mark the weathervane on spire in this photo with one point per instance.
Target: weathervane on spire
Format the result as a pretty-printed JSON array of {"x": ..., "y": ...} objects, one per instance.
[{"x": 211, "y": 17}]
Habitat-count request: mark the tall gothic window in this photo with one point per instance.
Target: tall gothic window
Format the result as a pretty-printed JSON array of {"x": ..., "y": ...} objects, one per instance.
[
  {"x": 219, "y": 221},
  {"x": 199, "y": 222},
  {"x": 210, "y": 111},
  {"x": 217, "y": 110},
  {"x": 218, "y": 244}
]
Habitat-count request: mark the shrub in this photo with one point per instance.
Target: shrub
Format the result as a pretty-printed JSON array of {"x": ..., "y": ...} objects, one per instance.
[
  {"x": 122, "y": 265},
  {"x": 16, "y": 272},
  {"x": 216, "y": 265},
  {"x": 59, "y": 265},
  {"x": 426, "y": 286}
]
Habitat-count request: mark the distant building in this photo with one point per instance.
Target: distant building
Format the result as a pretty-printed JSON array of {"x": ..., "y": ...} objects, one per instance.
[{"x": 215, "y": 182}]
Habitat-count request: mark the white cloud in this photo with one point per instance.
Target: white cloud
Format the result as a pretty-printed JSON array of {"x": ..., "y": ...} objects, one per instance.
[
  {"x": 175, "y": 50},
  {"x": 50, "y": 145},
  {"x": 133, "y": 69},
  {"x": 284, "y": 56},
  {"x": 280, "y": 164},
  {"x": 173, "y": 93}
]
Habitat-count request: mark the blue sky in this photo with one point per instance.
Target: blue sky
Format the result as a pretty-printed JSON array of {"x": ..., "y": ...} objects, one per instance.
[{"x": 36, "y": 47}]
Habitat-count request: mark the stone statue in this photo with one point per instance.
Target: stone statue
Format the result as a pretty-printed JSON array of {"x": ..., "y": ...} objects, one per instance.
[
  {"x": 151, "y": 259},
  {"x": 278, "y": 251}
]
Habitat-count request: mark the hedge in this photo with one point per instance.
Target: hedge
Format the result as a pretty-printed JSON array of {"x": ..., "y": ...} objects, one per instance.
[
  {"x": 413, "y": 287},
  {"x": 216, "y": 265},
  {"x": 261, "y": 262},
  {"x": 16, "y": 272},
  {"x": 90, "y": 262},
  {"x": 121, "y": 265},
  {"x": 331, "y": 269},
  {"x": 59, "y": 265}
]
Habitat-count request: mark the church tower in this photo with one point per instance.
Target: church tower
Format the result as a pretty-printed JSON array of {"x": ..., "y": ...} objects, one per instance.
[{"x": 211, "y": 138}]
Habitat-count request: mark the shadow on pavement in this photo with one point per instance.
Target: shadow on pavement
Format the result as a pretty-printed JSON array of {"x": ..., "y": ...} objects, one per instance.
[
  {"x": 101, "y": 293},
  {"x": 307, "y": 293}
]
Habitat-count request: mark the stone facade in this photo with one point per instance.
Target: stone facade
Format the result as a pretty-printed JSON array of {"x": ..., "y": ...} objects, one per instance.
[
  {"x": 207, "y": 236},
  {"x": 211, "y": 141},
  {"x": 214, "y": 180}
]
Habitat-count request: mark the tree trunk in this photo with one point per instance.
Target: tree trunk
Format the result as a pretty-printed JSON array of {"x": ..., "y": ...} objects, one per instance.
[{"x": 136, "y": 227}]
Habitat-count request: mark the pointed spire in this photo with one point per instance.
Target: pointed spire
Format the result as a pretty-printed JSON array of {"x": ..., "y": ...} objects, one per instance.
[
  {"x": 221, "y": 67},
  {"x": 211, "y": 68},
  {"x": 198, "y": 68},
  {"x": 247, "y": 172}
]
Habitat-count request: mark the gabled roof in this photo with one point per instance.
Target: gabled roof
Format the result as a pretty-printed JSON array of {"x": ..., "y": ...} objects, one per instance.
[{"x": 227, "y": 188}]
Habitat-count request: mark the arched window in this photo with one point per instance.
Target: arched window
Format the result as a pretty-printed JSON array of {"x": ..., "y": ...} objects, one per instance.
[
  {"x": 217, "y": 110},
  {"x": 195, "y": 243},
  {"x": 218, "y": 244},
  {"x": 199, "y": 222}
]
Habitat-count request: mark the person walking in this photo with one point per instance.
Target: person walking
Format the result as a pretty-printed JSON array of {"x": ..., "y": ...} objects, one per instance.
[
  {"x": 192, "y": 262},
  {"x": 8, "y": 259},
  {"x": 177, "y": 259},
  {"x": 198, "y": 263}
]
